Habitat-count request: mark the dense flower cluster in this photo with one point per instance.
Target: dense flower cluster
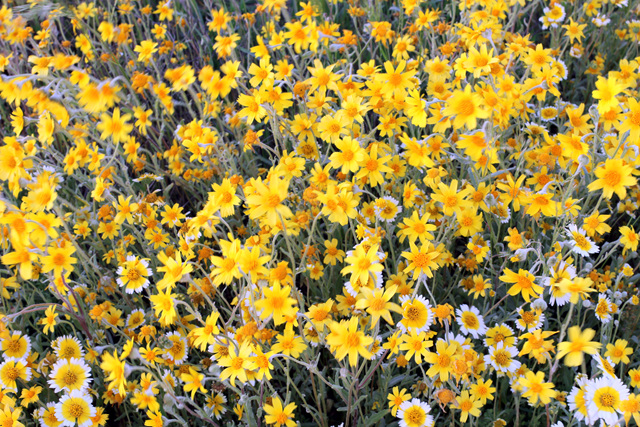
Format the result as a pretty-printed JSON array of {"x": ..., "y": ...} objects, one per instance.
[{"x": 360, "y": 212}]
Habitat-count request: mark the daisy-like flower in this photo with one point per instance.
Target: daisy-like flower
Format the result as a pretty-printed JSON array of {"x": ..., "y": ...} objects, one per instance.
[
  {"x": 11, "y": 371},
  {"x": 68, "y": 347},
  {"x": 278, "y": 414},
  {"x": 576, "y": 399},
  {"x": 75, "y": 407},
  {"x": 416, "y": 314},
  {"x": 347, "y": 340},
  {"x": 580, "y": 243},
  {"x": 605, "y": 365},
  {"x": 414, "y": 413},
  {"x": 135, "y": 318},
  {"x": 72, "y": 374},
  {"x": 134, "y": 274},
  {"x": 236, "y": 363},
  {"x": 619, "y": 352},
  {"x": 362, "y": 263},
  {"x": 397, "y": 398},
  {"x": 578, "y": 344},
  {"x": 215, "y": 404},
  {"x": 387, "y": 209},
  {"x": 500, "y": 333},
  {"x": 470, "y": 321},
  {"x": 178, "y": 351},
  {"x": 603, "y": 397},
  {"x": 377, "y": 349},
  {"x": 530, "y": 320},
  {"x": 16, "y": 346},
  {"x": 48, "y": 415},
  {"x": 604, "y": 309},
  {"x": 523, "y": 283},
  {"x": 614, "y": 176},
  {"x": 502, "y": 358}
]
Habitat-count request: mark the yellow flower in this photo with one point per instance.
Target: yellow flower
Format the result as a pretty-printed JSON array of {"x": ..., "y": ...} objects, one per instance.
[
  {"x": 145, "y": 50},
  {"x": 75, "y": 407},
  {"x": 523, "y": 283},
  {"x": 468, "y": 405},
  {"x": 50, "y": 319},
  {"x": 276, "y": 303},
  {"x": 536, "y": 388},
  {"x": 631, "y": 122},
  {"x": 613, "y": 177},
  {"x": 396, "y": 398},
  {"x": 279, "y": 415},
  {"x": 350, "y": 156},
  {"x": 377, "y": 303},
  {"x": 482, "y": 390},
  {"x": 253, "y": 110},
  {"x": 416, "y": 345},
  {"x": 193, "y": 381},
  {"x": 465, "y": 108},
  {"x": 441, "y": 360},
  {"x": 114, "y": 370},
  {"x": 421, "y": 260},
  {"x": 606, "y": 92},
  {"x": 205, "y": 336},
  {"x": 236, "y": 363},
  {"x": 346, "y": 340},
  {"x": 59, "y": 259},
  {"x": 164, "y": 307},
  {"x": 362, "y": 264},
  {"x": 629, "y": 238},
  {"x": 579, "y": 343},
  {"x": 117, "y": 127},
  {"x": 266, "y": 202},
  {"x": 289, "y": 344},
  {"x": 619, "y": 352}
]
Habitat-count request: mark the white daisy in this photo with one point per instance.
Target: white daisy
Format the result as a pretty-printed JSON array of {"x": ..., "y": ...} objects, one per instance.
[
  {"x": 414, "y": 413},
  {"x": 604, "y": 309},
  {"x": 416, "y": 314},
  {"x": 603, "y": 397},
  {"x": 502, "y": 358},
  {"x": 75, "y": 407},
  {"x": 580, "y": 243},
  {"x": 470, "y": 321}
]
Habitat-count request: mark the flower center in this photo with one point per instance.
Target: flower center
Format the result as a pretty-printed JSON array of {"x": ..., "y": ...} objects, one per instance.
[
  {"x": 444, "y": 360},
  {"x": 70, "y": 378},
  {"x": 470, "y": 321},
  {"x": 607, "y": 399},
  {"x": 12, "y": 373},
  {"x": 272, "y": 201},
  {"x": 76, "y": 410},
  {"x": 612, "y": 178},
  {"x": 415, "y": 416},
  {"x": 133, "y": 275},
  {"x": 412, "y": 314},
  {"x": 353, "y": 340},
  {"x": 502, "y": 358}
]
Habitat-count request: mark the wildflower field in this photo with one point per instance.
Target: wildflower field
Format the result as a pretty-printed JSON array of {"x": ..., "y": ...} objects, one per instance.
[{"x": 356, "y": 213}]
